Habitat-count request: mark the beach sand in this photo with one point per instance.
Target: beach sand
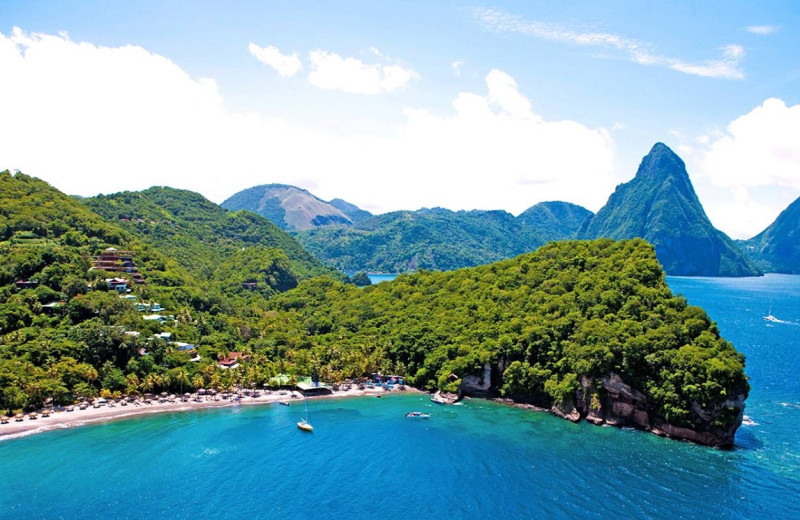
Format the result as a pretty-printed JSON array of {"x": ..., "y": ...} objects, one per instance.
[{"x": 92, "y": 415}]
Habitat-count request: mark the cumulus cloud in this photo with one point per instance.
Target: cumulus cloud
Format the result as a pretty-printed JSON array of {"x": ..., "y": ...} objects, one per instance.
[
  {"x": 286, "y": 65},
  {"x": 92, "y": 119},
  {"x": 763, "y": 30},
  {"x": 330, "y": 71},
  {"x": 756, "y": 161},
  {"x": 727, "y": 66}
]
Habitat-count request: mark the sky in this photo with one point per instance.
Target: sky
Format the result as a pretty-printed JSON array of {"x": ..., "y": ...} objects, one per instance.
[{"x": 406, "y": 104}]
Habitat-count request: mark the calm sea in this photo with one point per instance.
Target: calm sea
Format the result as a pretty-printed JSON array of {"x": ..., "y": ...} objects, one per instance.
[{"x": 478, "y": 460}]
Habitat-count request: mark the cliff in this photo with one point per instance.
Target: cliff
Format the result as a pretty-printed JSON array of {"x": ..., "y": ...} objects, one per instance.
[{"x": 616, "y": 403}]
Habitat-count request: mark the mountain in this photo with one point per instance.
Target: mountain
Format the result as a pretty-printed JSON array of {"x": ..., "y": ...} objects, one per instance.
[
  {"x": 436, "y": 238},
  {"x": 777, "y": 248},
  {"x": 355, "y": 213},
  {"x": 660, "y": 205},
  {"x": 439, "y": 238},
  {"x": 205, "y": 238},
  {"x": 289, "y": 207},
  {"x": 555, "y": 220}
]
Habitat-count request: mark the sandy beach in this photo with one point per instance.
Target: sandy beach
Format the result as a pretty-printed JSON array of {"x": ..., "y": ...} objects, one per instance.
[{"x": 113, "y": 411}]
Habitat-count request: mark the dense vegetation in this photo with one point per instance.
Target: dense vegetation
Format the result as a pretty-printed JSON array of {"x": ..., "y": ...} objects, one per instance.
[
  {"x": 212, "y": 270},
  {"x": 545, "y": 320},
  {"x": 570, "y": 310},
  {"x": 440, "y": 239},
  {"x": 660, "y": 205},
  {"x": 777, "y": 248},
  {"x": 351, "y": 239}
]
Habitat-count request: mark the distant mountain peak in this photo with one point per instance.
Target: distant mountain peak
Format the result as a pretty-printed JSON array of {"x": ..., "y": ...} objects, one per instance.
[
  {"x": 289, "y": 207},
  {"x": 660, "y": 205}
]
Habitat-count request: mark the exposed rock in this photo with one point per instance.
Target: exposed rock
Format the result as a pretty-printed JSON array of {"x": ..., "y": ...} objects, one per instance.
[
  {"x": 477, "y": 386},
  {"x": 616, "y": 403},
  {"x": 567, "y": 411}
]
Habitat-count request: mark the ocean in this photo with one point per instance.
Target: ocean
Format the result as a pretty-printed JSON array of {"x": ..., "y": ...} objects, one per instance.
[{"x": 477, "y": 460}]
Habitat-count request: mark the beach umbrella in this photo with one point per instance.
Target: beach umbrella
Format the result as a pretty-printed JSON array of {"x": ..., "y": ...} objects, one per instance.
[
  {"x": 19, "y": 417},
  {"x": 4, "y": 419}
]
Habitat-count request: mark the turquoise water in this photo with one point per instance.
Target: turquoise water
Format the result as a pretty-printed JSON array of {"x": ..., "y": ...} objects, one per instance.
[
  {"x": 378, "y": 278},
  {"x": 366, "y": 460}
]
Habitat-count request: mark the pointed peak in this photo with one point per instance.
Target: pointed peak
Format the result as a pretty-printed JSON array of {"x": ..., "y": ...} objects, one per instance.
[{"x": 662, "y": 161}]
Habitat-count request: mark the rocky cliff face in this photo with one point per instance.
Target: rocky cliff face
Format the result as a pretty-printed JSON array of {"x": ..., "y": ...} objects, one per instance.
[{"x": 618, "y": 404}]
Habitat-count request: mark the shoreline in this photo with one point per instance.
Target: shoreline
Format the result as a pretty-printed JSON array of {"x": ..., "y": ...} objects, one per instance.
[{"x": 106, "y": 413}]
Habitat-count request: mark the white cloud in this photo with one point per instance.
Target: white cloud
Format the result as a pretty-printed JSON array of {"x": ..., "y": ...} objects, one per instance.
[
  {"x": 286, "y": 65},
  {"x": 763, "y": 30},
  {"x": 456, "y": 67},
  {"x": 330, "y": 71},
  {"x": 727, "y": 66},
  {"x": 755, "y": 164},
  {"x": 92, "y": 119}
]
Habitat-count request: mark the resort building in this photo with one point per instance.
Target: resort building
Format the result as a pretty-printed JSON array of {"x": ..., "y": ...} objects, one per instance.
[{"x": 116, "y": 261}]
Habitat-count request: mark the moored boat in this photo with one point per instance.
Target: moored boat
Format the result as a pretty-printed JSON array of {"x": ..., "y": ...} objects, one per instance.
[{"x": 305, "y": 426}]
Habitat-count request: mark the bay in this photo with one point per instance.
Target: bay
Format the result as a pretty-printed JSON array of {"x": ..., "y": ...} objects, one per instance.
[{"x": 481, "y": 458}]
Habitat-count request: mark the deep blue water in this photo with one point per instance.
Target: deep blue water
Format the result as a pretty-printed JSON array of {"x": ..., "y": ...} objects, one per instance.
[{"x": 366, "y": 460}]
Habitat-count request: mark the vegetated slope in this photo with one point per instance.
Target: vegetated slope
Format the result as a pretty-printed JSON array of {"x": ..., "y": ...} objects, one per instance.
[
  {"x": 66, "y": 334},
  {"x": 574, "y": 325},
  {"x": 555, "y": 220},
  {"x": 352, "y": 211},
  {"x": 288, "y": 207},
  {"x": 438, "y": 238},
  {"x": 777, "y": 248},
  {"x": 200, "y": 234},
  {"x": 660, "y": 205}
]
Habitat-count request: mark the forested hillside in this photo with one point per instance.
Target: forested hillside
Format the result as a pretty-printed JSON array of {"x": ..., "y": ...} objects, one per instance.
[
  {"x": 438, "y": 238},
  {"x": 559, "y": 327},
  {"x": 777, "y": 248},
  {"x": 200, "y": 234}
]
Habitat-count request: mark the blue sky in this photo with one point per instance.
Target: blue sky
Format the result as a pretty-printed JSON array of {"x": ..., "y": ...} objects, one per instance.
[{"x": 401, "y": 105}]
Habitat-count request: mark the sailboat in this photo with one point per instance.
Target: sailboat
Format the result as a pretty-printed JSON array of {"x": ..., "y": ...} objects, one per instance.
[{"x": 303, "y": 424}]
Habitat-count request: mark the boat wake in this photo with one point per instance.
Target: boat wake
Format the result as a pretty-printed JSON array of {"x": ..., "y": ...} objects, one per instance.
[
  {"x": 769, "y": 318},
  {"x": 747, "y": 421}
]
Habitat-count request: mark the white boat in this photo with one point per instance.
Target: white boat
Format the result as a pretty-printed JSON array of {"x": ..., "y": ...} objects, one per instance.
[
  {"x": 304, "y": 424},
  {"x": 773, "y": 319}
]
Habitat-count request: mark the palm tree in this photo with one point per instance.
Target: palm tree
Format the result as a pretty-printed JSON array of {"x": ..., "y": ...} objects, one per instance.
[
  {"x": 180, "y": 376},
  {"x": 197, "y": 381}
]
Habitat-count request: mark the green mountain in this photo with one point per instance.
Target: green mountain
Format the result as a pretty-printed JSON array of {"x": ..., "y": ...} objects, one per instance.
[
  {"x": 555, "y": 220},
  {"x": 777, "y": 248},
  {"x": 425, "y": 239},
  {"x": 352, "y": 211},
  {"x": 289, "y": 207},
  {"x": 440, "y": 239},
  {"x": 660, "y": 205},
  {"x": 200, "y": 234}
]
